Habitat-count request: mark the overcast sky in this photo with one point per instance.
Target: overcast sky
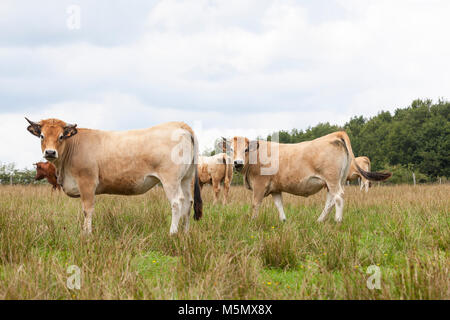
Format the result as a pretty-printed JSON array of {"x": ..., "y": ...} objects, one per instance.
[{"x": 225, "y": 67}]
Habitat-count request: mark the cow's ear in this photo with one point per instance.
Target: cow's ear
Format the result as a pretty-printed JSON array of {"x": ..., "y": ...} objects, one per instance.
[
  {"x": 70, "y": 130},
  {"x": 223, "y": 145},
  {"x": 34, "y": 128},
  {"x": 226, "y": 145},
  {"x": 253, "y": 146}
]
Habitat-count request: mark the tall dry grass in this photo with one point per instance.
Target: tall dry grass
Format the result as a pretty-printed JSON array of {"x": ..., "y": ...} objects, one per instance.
[{"x": 227, "y": 255}]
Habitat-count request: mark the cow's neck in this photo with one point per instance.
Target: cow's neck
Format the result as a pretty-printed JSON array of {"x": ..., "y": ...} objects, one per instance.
[{"x": 65, "y": 159}]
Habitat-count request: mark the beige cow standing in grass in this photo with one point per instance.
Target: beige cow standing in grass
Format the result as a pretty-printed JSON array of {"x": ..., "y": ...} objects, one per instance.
[
  {"x": 303, "y": 169},
  {"x": 215, "y": 170},
  {"x": 91, "y": 162},
  {"x": 353, "y": 174}
]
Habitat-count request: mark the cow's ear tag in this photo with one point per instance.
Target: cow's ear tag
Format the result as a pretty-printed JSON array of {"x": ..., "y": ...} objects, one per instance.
[{"x": 70, "y": 130}]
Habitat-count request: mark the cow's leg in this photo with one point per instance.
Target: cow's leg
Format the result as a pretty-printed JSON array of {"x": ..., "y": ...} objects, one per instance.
[
  {"x": 278, "y": 200},
  {"x": 188, "y": 201},
  {"x": 87, "y": 195},
  {"x": 216, "y": 188},
  {"x": 361, "y": 184},
  {"x": 175, "y": 195},
  {"x": 328, "y": 206},
  {"x": 258, "y": 196},
  {"x": 226, "y": 189},
  {"x": 339, "y": 200},
  {"x": 366, "y": 184}
]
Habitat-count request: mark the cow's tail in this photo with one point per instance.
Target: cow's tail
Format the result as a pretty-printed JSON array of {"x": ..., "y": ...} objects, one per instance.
[
  {"x": 198, "y": 202},
  {"x": 372, "y": 176},
  {"x": 369, "y": 165},
  {"x": 345, "y": 140}
]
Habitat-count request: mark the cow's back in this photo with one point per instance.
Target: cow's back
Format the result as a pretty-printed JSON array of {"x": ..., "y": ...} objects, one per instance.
[{"x": 127, "y": 162}]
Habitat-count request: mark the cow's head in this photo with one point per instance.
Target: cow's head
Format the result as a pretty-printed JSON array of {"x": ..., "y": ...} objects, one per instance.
[
  {"x": 241, "y": 148},
  {"x": 41, "y": 170},
  {"x": 53, "y": 134}
]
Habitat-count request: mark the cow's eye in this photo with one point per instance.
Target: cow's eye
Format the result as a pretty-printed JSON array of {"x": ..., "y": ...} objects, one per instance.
[
  {"x": 61, "y": 137},
  {"x": 42, "y": 137},
  {"x": 246, "y": 150}
]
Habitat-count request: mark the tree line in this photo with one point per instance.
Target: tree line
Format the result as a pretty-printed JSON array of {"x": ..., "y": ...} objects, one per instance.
[{"x": 9, "y": 174}]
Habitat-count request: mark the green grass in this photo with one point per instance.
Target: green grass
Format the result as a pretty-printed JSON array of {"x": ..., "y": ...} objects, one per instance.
[{"x": 227, "y": 255}]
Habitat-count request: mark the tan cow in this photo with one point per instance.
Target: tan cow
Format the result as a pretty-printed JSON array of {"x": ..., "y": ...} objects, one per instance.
[
  {"x": 301, "y": 169},
  {"x": 215, "y": 170},
  {"x": 353, "y": 174},
  {"x": 91, "y": 162}
]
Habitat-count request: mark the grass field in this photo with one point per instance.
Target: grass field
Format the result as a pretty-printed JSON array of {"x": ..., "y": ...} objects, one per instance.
[{"x": 402, "y": 229}]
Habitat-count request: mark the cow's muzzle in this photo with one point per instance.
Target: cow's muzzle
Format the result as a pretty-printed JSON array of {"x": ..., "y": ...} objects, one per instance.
[
  {"x": 238, "y": 164},
  {"x": 50, "y": 154}
]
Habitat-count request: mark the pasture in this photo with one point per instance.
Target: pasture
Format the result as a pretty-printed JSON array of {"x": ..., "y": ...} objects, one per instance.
[{"x": 226, "y": 255}]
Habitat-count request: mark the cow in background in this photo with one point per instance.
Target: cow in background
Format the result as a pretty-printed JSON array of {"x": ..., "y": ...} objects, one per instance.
[
  {"x": 48, "y": 171},
  {"x": 302, "y": 169},
  {"x": 353, "y": 174},
  {"x": 215, "y": 170}
]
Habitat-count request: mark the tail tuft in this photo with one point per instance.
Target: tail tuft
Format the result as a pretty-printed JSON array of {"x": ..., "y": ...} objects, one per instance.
[
  {"x": 374, "y": 176},
  {"x": 198, "y": 202}
]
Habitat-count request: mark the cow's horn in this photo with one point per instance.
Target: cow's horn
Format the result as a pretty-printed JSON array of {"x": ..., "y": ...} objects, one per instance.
[{"x": 31, "y": 122}]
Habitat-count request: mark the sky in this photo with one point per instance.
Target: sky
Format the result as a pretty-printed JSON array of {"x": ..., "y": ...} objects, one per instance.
[{"x": 225, "y": 67}]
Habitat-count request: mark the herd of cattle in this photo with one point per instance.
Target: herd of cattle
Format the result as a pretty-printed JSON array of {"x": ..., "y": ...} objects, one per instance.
[{"x": 86, "y": 162}]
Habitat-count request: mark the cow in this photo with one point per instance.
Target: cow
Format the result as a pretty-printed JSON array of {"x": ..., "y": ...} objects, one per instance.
[
  {"x": 303, "y": 169},
  {"x": 215, "y": 170},
  {"x": 92, "y": 162},
  {"x": 47, "y": 170},
  {"x": 353, "y": 174}
]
